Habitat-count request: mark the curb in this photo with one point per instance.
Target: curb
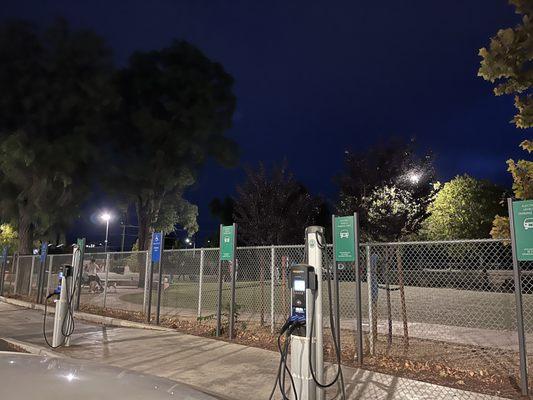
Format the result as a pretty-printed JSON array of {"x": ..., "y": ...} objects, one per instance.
[
  {"x": 32, "y": 348},
  {"x": 94, "y": 318}
]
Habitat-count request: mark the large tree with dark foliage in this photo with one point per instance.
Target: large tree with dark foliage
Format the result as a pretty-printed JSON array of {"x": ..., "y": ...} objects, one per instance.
[
  {"x": 176, "y": 105},
  {"x": 390, "y": 186},
  {"x": 274, "y": 208},
  {"x": 506, "y": 62},
  {"x": 54, "y": 83}
]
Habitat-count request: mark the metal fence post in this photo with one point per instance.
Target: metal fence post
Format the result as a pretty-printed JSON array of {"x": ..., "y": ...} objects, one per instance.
[
  {"x": 31, "y": 275},
  {"x": 107, "y": 265},
  {"x": 150, "y": 282},
  {"x": 519, "y": 308},
  {"x": 2, "y": 275},
  {"x": 200, "y": 283},
  {"x": 272, "y": 278},
  {"x": 16, "y": 275},
  {"x": 49, "y": 277},
  {"x": 147, "y": 266},
  {"x": 358, "y": 309},
  {"x": 369, "y": 281},
  {"x": 159, "y": 284}
]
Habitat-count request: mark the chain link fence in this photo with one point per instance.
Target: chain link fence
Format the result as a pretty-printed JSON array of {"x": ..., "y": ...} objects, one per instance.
[{"x": 440, "y": 312}]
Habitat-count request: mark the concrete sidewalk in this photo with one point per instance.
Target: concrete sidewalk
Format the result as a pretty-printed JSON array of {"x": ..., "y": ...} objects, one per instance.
[{"x": 231, "y": 370}]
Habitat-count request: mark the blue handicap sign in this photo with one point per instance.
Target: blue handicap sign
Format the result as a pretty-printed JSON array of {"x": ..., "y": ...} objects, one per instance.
[
  {"x": 157, "y": 238},
  {"x": 44, "y": 251}
]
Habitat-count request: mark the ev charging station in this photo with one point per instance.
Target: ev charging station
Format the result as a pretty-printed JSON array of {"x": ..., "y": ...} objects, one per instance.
[
  {"x": 66, "y": 291},
  {"x": 304, "y": 327},
  {"x": 306, "y": 302}
]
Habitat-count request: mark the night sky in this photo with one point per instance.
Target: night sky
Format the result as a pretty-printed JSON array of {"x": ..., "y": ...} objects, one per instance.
[{"x": 316, "y": 78}]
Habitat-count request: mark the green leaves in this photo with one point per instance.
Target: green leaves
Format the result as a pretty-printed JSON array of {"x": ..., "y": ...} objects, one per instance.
[
  {"x": 463, "y": 209},
  {"x": 175, "y": 106},
  {"x": 54, "y": 83}
]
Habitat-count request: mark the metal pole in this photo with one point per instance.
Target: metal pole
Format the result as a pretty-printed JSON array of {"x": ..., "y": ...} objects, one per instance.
[
  {"x": 314, "y": 258},
  {"x": 2, "y": 276},
  {"x": 219, "y": 301},
  {"x": 17, "y": 276},
  {"x": 106, "y": 234},
  {"x": 150, "y": 284},
  {"x": 369, "y": 283},
  {"x": 160, "y": 272},
  {"x": 146, "y": 279},
  {"x": 336, "y": 286},
  {"x": 123, "y": 238},
  {"x": 272, "y": 278},
  {"x": 31, "y": 275},
  {"x": 107, "y": 264},
  {"x": 233, "y": 277},
  {"x": 519, "y": 308},
  {"x": 200, "y": 283},
  {"x": 49, "y": 277},
  {"x": 81, "y": 248},
  {"x": 359, "y": 311}
]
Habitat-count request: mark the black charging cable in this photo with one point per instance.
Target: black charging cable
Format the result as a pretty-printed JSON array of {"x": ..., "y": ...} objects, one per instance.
[
  {"x": 288, "y": 328},
  {"x": 67, "y": 327},
  {"x": 339, "y": 377}
]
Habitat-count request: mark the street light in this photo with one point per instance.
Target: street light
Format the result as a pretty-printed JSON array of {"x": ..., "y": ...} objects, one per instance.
[
  {"x": 106, "y": 217},
  {"x": 414, "y": 177}
]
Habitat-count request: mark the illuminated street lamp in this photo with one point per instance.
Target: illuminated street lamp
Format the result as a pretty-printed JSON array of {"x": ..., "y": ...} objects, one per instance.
[
  {"x": 414, "y": 177},
  {"x": 106, "y": 217}
]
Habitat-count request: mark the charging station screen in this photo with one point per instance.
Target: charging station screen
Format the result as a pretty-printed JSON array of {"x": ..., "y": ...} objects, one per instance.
[{"x": 299, "y": 285}]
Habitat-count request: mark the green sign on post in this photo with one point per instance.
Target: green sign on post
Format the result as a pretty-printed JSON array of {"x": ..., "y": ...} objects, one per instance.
[
  {"x": 227, "y": 242},
  {"x": 344, "y": 231},
  {"x": 523, "y": 229}
]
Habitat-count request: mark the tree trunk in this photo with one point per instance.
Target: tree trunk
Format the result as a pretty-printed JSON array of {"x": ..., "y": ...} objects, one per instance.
[
  {"x": 144, "y": 228},
  {"x": 25, "y": 232}
]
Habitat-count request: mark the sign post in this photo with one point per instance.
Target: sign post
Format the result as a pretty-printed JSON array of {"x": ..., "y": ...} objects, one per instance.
[
  {"x": 227, "y": 253},
  {"x": 521, "y": 226},
  {"x": 346, "y": 249},
  {"x": 42, "y": 265},
  {"x": 156, "y": 258},
  {"x": 3, "y": 270}
]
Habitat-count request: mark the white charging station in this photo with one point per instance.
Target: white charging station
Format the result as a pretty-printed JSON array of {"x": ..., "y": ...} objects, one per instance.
[
  {"x": 304, "y": 383},
  {"x": 64, "y": 314}
]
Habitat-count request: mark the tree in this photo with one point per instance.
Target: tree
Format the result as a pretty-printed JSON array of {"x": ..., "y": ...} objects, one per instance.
[
  {"x": 54, "y": 86},
  {"x": 176, "y": 105},
  {"x": 463, "y": 209},
  {"x": 274, "y": 208},
  {"x": 507, "y": 64},
  {"x": 8, "y": 237},
  {"x": 388, "y": 171},
  {"x": 393, "y": 213}
]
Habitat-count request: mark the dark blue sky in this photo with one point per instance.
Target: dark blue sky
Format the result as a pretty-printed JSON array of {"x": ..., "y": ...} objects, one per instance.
[{"x": 316, "y": 78}]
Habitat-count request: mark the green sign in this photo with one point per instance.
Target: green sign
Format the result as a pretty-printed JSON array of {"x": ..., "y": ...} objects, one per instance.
[
  {"x": 227, "y": 242},
  {"x": 344, "y": 231},
  {"x": 523, "y": 229}
]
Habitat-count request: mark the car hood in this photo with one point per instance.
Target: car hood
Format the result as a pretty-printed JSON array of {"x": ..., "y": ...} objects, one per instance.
[{"x": 27, "y": 376}]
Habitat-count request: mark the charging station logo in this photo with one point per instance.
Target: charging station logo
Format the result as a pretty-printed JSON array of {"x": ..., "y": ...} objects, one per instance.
[{"x": 312, "y": 243}]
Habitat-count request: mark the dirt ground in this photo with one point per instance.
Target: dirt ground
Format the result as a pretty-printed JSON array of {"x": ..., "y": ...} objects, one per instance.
[{"x": 485, "y": 370}]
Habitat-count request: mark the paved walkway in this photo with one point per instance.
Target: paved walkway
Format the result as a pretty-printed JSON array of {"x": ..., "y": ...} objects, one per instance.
[{"x": 231, "y": 370}]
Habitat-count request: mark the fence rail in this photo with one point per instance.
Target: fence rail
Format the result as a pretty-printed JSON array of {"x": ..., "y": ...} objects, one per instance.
[{"x": 430, "y": 309}]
